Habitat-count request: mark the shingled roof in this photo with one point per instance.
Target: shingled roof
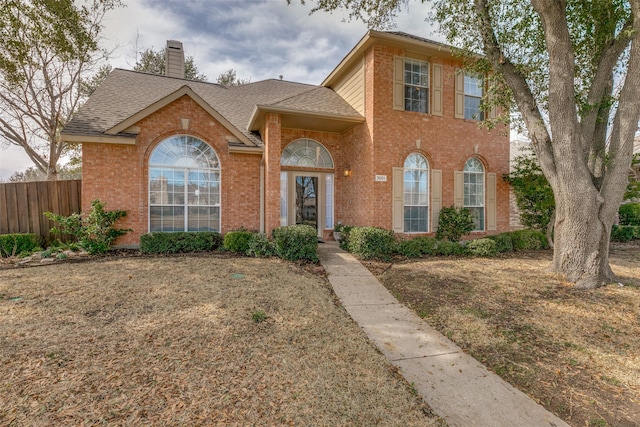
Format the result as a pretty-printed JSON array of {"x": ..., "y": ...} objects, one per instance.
[{"x": 125, "y": 95}]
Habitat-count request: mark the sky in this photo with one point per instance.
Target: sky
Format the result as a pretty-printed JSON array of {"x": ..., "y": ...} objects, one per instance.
[{"x": 260, "y": 39}]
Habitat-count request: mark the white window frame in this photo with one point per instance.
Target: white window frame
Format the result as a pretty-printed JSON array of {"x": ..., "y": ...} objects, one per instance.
[
  {"x": 474, "y": 168},
  {"x": 418, "y": 81},
  {"x": 472, "y": 82},
  {"x": 422, "y": 196},
  {"x": 180, "y": 166}
]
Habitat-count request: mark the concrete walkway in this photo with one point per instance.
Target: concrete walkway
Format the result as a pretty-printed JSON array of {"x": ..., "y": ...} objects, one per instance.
[{"x": 456, "y": 386}]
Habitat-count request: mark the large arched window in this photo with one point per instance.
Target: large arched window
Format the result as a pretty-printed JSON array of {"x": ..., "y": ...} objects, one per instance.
[
  {"x": 416, "y": 194},
  {"x": 306, "y": 153},
  {"x": 474, "y": 191},
  {"x": 184, "y": 186}
]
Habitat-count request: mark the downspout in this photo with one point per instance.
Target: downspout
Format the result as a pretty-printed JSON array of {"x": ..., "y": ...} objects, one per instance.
[{"x": 262, "y": 194}]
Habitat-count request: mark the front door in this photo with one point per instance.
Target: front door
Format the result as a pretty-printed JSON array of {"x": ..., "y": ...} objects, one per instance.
[{"x": 306, "y": 193}]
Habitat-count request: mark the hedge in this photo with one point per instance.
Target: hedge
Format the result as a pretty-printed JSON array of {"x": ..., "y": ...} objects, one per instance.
[
  {"x": 186, "y": 241},
  {"x": 19, "y": 243},
  {"x": 294, "y": 242}
]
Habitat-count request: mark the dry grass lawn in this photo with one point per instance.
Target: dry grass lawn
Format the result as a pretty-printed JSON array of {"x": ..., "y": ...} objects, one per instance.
[
  {"x": 575, "y": 352},
  {"x": 182, "y": 341}
]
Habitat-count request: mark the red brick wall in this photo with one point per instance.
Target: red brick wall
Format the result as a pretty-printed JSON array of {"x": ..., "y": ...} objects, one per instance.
[
  {"x": 392, "y": 135},
  {"x": 118, "y": 174}
]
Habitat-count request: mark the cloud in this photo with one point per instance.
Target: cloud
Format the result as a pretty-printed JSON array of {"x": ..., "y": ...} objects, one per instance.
[{"x": 260, "y": 39}]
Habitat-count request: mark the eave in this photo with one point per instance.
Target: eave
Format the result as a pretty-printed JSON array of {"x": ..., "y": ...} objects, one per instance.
[{"x": 297, "y": 119}]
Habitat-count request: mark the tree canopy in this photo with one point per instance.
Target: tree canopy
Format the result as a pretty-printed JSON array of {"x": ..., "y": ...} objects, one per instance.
[
  {"x": 47, "y": 48},
  {"x": 230, "y": 78},
  {"x": 153, "y": 61},
  {"x": 569, "y": 69}
]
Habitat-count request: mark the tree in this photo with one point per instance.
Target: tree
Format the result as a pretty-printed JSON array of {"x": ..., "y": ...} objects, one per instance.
[
  {"x": 563, "y": 66},
  {"x": 229, "y": 78},
  {"x": 153, "y": 61},
  {"x": 534, "y": 196},
  {"x": 47, "y": 48}
]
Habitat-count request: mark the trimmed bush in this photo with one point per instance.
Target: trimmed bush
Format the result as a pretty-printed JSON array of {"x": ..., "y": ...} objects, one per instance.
[
  {"x": 503, "y": 242},
  {"x": 625, "y": 233},
  {"x": 453, "y": 223},
  {"x": 96, "y": 231},
  {"x": 629, "y": 214},
  {"x": 238, "y": 241},
  {"x": 260, "y": 246},
  {"x": 371, "y": 242},
  {"x": 482, "y": 247},
  {"x": 295, "y": 242},
  {"x": 528, "y": 240},
  {"x": 170, "y": 243},
  {"x": 447, "y": 248},
  {"x": 19, "y": 243},
  {"x": 417, "y": 247},
  {"x": 345, "y": 230}
]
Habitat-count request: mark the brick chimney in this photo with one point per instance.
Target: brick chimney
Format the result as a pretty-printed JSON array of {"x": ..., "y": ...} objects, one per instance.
[{"x": 174, "y": 59}]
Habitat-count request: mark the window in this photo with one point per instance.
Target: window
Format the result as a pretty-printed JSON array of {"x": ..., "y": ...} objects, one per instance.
[
  {"x": 416, "y": 194},
  {"x": 416, "y": 85},
  {"x": 474, "y": 191},
  {"x": 306, "y": 153},
  {"x": 472, "y": 97},
  {"x": 184, "y": 186}
]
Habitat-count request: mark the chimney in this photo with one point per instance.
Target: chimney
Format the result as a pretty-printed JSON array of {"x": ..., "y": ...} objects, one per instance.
[{"x": 174, "y": 59}]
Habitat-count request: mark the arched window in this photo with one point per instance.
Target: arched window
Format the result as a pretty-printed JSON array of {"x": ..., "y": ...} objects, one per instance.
[
  {"x": 306, "y": 153},
  {"x": 416, "y": 194},
  {"x": 184, "y": 186},
  {"x": 474, "y": 191}
]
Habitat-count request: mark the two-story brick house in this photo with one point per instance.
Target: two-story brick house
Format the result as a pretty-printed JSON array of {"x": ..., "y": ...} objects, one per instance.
[{"x": 389, "y": 138}]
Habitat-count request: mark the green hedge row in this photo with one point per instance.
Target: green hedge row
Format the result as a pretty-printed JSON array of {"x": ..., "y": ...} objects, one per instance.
[
  {"x": 378, "y": 243},
  {"x": 170, "y": 243},
  {"x": 291, "y": 243},
  {"x": 16, "y": 244},
  {"x": 625, "y": 233},
  {"x": 629, "y": 214}
]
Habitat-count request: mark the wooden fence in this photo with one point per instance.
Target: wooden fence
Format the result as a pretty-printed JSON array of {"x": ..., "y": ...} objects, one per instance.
[{"x": 22, "y": 205}]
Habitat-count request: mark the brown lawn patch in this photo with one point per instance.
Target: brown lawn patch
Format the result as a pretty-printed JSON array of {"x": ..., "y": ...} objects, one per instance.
[
  {"x": 180, "y": 341},
  {"x": 575, "y": 352}
]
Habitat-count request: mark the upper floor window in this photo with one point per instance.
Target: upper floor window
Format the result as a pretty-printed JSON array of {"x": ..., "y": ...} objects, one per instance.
[
  {"x": 416, "y": 194},
  {"x": 416, "y": 85},
  {"x": 473, "y": 92},
  {"x": 474, "y": 191}
]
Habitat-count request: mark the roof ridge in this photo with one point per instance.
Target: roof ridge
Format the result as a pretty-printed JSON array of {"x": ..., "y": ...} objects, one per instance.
[
  {"x": 146, "y": 73},
  {"x": 286, "y": 98}
]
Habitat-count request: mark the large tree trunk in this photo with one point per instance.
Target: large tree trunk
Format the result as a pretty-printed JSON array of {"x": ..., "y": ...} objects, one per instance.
[{"x": 581, "y": 245}]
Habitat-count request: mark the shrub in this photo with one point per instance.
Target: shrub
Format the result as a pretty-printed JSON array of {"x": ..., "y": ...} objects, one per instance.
[
  {"x": 625, "y": 233},
  {"x": 629, "y": 214},
  {"x": 16, "y": 244},
  {"x": 371, "y": 242},
  {"x": 450, "y": 248},
  {"x": 295, "y": 242},
  {"x": 528, "y": 240},
  {"x": 345, "y": 230},
  {"x": 260, "y": 246},
  {"x": 417, "y": 247},
  {"x": 503, "y": 242},
  {"x": 482, "y": 247},
  {"x": 238, "y": 241},
  {"x": 453, "y": 223},
  {"x": 169, "y": 243},
  {"x": 96, "y": 231}
]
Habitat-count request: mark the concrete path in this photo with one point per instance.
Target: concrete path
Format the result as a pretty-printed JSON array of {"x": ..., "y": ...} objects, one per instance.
[{"x": 457, "y": 387}]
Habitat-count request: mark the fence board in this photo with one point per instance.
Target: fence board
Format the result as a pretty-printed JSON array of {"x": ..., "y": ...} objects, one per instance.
[
  {"x": 22, "y": 205},
  {"x": 4, "y": 221}
]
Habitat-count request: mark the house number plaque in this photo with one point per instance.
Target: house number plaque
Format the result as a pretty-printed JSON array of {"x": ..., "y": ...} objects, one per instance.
[{"x": 381, "y": 178}]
